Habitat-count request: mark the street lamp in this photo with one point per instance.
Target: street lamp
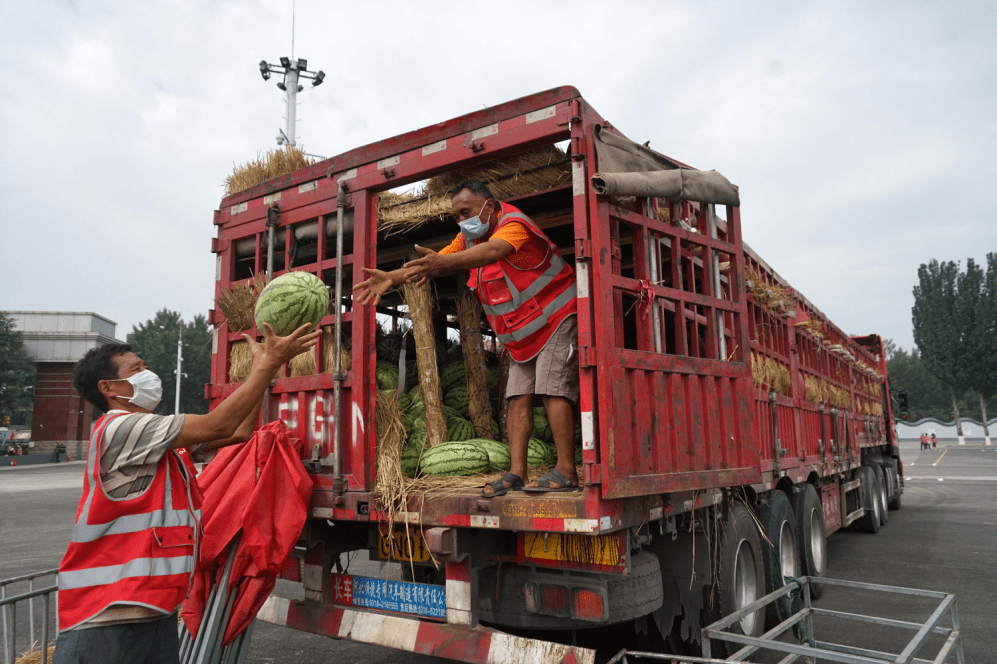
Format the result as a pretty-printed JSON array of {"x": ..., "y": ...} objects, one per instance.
[
  {"x": 176, "y": 407},
  {"x": 292, "y": 71}
]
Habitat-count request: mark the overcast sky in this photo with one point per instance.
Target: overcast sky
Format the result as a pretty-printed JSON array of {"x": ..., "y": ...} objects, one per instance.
[{"x": 862, "y": 135}]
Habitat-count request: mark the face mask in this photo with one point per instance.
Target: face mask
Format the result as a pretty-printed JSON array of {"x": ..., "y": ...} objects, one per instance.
[
  {"x": 474, "y": 227},
  {"x": 147, "y": 389}
]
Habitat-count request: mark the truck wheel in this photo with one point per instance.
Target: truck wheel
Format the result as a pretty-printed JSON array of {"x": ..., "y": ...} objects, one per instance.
[
  {"x": 780, "y": 558},
  {"x": 741, "y": 579},
  {"x": 870, "y": 521},
  {"x": 894, "y": 502},
  {"x": 883, "y": 499},
  {"x": 810, "y": 531}
]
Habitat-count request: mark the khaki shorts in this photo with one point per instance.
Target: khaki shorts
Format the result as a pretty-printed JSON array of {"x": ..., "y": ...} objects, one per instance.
[{"x": 554, "y": 371}]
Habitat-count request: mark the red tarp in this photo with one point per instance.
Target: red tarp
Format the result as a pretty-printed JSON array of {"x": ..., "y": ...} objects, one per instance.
[{"x": 262, "y": 489}]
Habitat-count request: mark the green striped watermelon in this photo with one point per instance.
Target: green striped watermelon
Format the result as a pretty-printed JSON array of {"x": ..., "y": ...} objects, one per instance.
[
  {"x": 578, "y": 455},
  {"x": 454, "y": 458},
  {"x": 459, "y": 429},
  {"x": 386, "y": 376},
  {"x": 452, "y": 375},
  {"x": 410, "y": 459},
  {"x": 458, "y": 400},
  {"x": 537, "y": 453},
  {"x": 541, "y": 426},
  {"x": 499, "y": 457},
  {"x": 290, "y": 301},
  {"x": 389, "y": 348}
]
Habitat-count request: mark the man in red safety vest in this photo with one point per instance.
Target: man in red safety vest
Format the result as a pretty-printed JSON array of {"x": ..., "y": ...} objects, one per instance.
[
  {"x": 527, "y": 292},
  {"x": 134, "y": 546},
  {"x": 924, "y": 441}
]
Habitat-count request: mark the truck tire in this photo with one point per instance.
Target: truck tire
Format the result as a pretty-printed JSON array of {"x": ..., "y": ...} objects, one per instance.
[
  {"x": 894, "y": 502},
  {"x": 780, "y": 554},
  {"x": 883, "y": 497},
  {"x": 871, "y": 520},
  {"x": 741, "y": 579},
  {"x": 812, "y": 535},
  {"x": 630, "y": 596}
]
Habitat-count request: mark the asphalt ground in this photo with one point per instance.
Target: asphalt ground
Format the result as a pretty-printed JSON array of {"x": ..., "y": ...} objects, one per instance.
[{"x": 944, "y": 539}]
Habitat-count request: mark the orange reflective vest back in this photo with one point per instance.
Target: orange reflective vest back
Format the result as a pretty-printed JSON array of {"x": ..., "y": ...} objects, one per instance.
[
  {"x": 137, "y": 551},
  {"x": 525, "y": 306}
]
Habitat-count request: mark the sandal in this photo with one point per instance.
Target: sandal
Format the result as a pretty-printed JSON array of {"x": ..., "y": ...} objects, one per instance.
[
  {"x": 552, "y": 475},
  {"x": 498, "y": 486}
]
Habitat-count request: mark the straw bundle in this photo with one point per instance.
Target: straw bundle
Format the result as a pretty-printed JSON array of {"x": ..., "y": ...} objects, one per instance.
[
  {"x": 816, "y": 389},
  {"x": 769, "y": 295},
  {"x": 274, "y": 163},
  {"x": 35, "y": 656},
  {"x": 840, "y": 397},
  {"x": 302, "y": 364},
  {"x": 877, "y": 409},
  {"x": 240, "y": 362},
  {"x": 525, "y": 173},
  {"x": 469, "y": 315},
  {"x": 329, "y": 351},
  {"x": 420, "y": 304},
  {"x": 769, "y": 373},
  {"x": 390, "y": 433},
  {"x": 239, "y": 302}
]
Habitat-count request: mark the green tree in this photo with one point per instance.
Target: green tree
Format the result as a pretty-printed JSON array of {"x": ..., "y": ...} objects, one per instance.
[
  {"x": 926, "y": 395},
  {"x": 17, "y": 375},
  {"x": 155, "y": 341},
  {"x": 955, "y": 318}
]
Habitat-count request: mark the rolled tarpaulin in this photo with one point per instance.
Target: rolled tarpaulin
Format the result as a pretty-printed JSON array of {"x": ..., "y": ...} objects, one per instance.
[{"x": 679, "y": 184}]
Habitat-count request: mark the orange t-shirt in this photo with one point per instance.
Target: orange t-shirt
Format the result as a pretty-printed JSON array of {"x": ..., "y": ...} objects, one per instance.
[{"x": 527, "y": 249}]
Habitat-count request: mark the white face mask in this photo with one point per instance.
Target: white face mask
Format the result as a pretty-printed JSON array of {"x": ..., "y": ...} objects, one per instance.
[
  {"x": 474, "y": 227},
  {"x": 147, "y": 389}
]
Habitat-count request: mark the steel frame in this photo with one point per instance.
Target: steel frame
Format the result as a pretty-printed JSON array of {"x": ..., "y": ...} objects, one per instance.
[{"x": 832, "y": 652}]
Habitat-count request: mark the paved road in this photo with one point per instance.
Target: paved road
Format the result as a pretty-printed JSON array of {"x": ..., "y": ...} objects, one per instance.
[{"x": 944, "y": 538}]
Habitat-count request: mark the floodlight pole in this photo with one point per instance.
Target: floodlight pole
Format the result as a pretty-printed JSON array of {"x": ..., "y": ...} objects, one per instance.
[
  {"x": 291, "y": 81},
  {"x": 293, "y": 70},
  {"x": 176, "y": 407}
]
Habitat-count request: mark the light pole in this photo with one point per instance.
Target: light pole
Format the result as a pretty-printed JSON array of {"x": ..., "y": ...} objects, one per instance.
[
  {"x": 176, "y": 407},
  {"x": 292, "y": 71}
]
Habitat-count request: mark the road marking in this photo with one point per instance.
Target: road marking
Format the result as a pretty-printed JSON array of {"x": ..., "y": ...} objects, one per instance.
[
  {"x": 955, "y": 479},
  {"x": 940, "y": 458}
]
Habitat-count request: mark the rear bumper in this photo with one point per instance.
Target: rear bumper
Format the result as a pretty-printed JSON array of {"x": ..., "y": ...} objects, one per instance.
[{"x": 477, "y": 645}]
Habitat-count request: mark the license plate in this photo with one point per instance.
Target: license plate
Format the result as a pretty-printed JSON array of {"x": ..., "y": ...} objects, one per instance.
[{"x": 399, "y": 544}]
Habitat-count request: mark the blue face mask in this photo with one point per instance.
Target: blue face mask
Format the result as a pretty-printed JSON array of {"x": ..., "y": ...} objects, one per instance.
[{"x": 474, "y": 227}]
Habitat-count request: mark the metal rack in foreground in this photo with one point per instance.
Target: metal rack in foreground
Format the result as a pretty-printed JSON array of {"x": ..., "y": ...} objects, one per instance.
[{"x": 812, "y": 650}]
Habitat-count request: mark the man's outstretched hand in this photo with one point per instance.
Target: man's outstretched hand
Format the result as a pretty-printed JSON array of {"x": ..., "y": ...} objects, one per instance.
[
  {"x": 279, "y": 350},
  {"x": 419, "y": 270},
  {"x": 378, "y": 283}
]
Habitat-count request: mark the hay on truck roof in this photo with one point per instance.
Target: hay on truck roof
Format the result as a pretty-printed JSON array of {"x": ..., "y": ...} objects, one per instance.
[
  {"x": 535, "y": 170},
  {"x": 276, "y": 162}
]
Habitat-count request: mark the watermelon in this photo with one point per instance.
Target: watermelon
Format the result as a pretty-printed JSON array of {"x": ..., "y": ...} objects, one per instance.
[
  {"x": 578, "y": 455},
  {"x": 449, "y": 412},
  {"x": 389, "y": 348},
  {"x": 290, "y": 301},
  {"x": 452, "y": 375},
  {"x": 410, "y": 459},
  {"x": 386, "y": 376},
  {"x": 454, "y": 458},
  {"x": 537, "y": 453},
  {"x": 541, "y": 426},
  {"x": 495, "y": 429},
  {"x": 458, "y": 400},
  {"x": 499, "y": 457},
  {"x": 459, "y": 429},
  {"x": 417, "y": 436},
  {"x": 455, "y": 353}
]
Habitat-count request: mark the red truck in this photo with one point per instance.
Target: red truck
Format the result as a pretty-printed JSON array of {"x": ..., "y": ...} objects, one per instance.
[{"x": 718, "y": 405}]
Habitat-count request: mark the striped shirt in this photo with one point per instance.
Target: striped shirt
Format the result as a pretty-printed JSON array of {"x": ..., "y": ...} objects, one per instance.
[{"x": 132, "y": 447}]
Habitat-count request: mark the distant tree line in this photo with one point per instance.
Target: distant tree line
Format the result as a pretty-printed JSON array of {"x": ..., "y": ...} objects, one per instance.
[
  {"x": 155, "y": 341},
  {"x": 955, "y": 329}
]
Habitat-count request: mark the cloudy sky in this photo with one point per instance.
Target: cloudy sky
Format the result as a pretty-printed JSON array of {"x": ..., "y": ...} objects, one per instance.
[{"x": 862, "y": 135}]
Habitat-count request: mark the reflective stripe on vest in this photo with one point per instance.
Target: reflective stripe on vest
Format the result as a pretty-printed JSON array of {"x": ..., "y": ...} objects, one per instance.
[
  {"x": 553, "y": 287},
  {"x": 113, "y": 561}
]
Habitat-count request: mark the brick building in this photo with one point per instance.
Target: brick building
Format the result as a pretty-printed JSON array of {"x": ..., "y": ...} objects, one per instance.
[{"x": 57, "y": 340}]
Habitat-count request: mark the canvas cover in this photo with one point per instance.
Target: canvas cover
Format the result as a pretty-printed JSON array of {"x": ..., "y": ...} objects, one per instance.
[{"x": 629, "y": 169}]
